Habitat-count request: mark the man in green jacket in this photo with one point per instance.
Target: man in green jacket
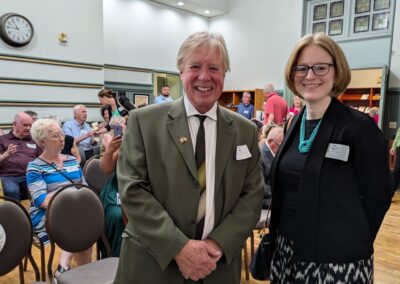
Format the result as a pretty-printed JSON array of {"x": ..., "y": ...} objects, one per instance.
[{"x": 189, "y": 178}]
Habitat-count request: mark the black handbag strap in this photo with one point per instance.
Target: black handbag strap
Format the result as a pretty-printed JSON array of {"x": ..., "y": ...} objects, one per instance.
[
  {"x": 59, "y": 171},
  {"x": 266, "y": 223}
]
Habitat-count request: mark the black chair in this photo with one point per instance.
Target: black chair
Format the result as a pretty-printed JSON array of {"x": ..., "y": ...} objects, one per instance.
[
  {"x": 17, "y": 225},
  {"x": 39, "y": 245},
  {"x": 93, "y": 175},
  {"x": 75, "y": 221}
]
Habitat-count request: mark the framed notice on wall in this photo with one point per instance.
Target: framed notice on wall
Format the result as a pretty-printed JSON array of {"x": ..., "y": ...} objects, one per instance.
[{"x": 141, "y": 100}]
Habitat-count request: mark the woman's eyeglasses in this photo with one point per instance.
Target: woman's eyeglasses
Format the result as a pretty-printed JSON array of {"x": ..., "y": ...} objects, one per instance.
[
  {"x": 57, "y": 135},
  {"x": 319, "y": 69}
]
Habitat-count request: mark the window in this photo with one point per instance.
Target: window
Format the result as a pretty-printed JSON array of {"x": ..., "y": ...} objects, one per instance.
[
  {"x": 328, "y": 17},
  {"x": 348, "y": 19}
]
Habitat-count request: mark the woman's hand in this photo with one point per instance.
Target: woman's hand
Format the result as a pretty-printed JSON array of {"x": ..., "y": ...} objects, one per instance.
[{"x": 114, "y": 144}]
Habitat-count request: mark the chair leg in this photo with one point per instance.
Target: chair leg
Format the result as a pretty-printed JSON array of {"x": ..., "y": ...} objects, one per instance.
[
  {"x": 246, "y": 261},
  {"x": 42, "y": 262},
  {"x": 25, "y": 263},
  {"x": 252, "y": 244},
  {"x": 21, "y": 273},
  {"x": 98, "y": 250}
]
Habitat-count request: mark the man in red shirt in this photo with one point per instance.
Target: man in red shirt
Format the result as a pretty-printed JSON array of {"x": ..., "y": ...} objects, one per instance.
[{"x": 276, "y": 109}]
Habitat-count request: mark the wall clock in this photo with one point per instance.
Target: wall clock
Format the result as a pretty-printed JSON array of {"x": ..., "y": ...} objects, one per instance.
[{"x": 16, "y": 30}]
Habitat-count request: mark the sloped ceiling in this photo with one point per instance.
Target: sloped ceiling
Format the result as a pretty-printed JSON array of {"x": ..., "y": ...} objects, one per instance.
[{"x": 216, "y": 7}]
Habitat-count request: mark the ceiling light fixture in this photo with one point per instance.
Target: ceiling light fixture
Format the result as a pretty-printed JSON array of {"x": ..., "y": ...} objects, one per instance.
[
  {"x": 207, "y": 12},
  {"x": 180, "y": 3}
]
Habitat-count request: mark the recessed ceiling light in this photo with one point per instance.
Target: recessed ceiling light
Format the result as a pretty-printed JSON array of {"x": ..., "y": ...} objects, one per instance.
[
  {"x": 180, "y": 3},
  {"x": 207, "y": 12}
]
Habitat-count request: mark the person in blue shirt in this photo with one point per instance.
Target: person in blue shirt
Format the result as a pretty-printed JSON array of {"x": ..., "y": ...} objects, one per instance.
[
  {"x": 164, "y": 97},
  {"x": 245, "y": 108},
  {"x": 79, "y": 128}
]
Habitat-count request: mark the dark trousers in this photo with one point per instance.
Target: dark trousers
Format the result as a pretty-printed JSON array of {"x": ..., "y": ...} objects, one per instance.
[{"x": 396, "y": 172}]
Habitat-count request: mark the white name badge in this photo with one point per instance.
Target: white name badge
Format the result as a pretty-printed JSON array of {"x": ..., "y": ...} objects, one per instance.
[
  {"x": 118, "y": 199},
  {"x": 32, "y": 146},
  {"x": 245, "y": 111},
  {"x": 71, "y": 169},
  {"x": 242, "y": 152},
  {"x": 338, "y": 152}
]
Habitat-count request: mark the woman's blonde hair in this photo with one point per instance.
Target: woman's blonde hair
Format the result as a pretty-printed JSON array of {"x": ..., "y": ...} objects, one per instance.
[
  {"x": 341, "y": 67},
  {"x": 117, "y": 120}
]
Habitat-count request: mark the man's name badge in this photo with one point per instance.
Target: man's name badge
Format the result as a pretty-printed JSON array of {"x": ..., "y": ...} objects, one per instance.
[
  {"x": 338, "y": 152},
  {"x": 242, "y": 152},
  {"x": 32, "y": 146}
]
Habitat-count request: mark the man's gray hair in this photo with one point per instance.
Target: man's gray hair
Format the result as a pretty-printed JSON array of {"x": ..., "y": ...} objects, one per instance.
[
  {"x": 198, "y": 39},
  {"x": 77, "y": 108},
  {"x": 247, "y": 94},
  {"x": 268, "y": 88},
  {"x": 274, "y": 131}
]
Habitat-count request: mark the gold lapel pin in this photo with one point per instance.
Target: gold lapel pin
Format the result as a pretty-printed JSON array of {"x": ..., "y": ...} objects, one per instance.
[{"x": 183, "y": 140}]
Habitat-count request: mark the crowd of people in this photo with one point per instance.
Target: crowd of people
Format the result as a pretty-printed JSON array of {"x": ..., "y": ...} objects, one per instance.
[{"x": 183, "y": 197}]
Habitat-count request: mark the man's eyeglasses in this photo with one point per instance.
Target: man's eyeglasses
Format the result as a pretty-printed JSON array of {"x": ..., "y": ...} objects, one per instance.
[{"x": 319, "y": 69}]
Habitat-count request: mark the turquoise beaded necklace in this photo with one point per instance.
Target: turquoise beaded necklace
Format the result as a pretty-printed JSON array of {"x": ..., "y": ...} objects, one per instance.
[{"x": 305, "y": 145}]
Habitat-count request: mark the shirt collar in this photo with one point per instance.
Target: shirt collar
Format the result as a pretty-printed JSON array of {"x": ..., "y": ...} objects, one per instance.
[
  {"x": 192, "y": 111},
  {"x": 79, "y": 124},
  {"x": 272, "y": 152},
  {"x": 17, "y": 138}
]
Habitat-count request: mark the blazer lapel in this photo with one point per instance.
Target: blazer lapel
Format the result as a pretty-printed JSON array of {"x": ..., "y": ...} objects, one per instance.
[
  {"x": 225, "y": 137},
  {"x": 179, "y": 130}
]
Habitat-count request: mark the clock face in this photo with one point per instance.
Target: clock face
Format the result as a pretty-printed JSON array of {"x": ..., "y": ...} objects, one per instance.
[{"x": 16, "y": 30}]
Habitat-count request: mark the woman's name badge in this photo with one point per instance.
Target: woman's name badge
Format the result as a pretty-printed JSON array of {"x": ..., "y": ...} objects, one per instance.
[
  {"x": 71, "y": 169},
  {"x": 338, "y": 152}
]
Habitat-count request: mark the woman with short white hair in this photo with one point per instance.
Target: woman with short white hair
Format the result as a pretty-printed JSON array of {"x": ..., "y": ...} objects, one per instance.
[{"x": 45, "y": 175}]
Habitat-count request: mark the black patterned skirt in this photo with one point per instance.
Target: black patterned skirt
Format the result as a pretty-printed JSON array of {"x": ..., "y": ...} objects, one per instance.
[{"x": 284, "y": 270}]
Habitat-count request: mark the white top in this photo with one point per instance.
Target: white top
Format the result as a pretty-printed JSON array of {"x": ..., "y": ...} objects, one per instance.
[
  {"x": 272, "y": 152},
  {"x": 210, "y": 131},
  {"x": 2, "y": 238}
]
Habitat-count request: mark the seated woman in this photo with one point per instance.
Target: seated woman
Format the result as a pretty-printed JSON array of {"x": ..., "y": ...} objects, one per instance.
[
  {"x": 45, "y": 175},
  {"x": 114, "y": 224}
]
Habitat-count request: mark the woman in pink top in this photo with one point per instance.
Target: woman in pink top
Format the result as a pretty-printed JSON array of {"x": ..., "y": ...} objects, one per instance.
[{"x": 296, "y": 108}]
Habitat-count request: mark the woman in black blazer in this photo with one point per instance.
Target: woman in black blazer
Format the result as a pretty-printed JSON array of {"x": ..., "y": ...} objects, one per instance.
[{"x": 330, "y": 179}]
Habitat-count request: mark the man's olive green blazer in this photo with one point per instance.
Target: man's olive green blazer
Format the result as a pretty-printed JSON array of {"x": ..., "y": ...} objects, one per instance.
[{"x": 159, "y": 192}]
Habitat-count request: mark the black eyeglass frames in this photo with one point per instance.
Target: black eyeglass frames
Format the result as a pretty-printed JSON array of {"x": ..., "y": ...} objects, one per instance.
[{"x": 319, "y": 69}]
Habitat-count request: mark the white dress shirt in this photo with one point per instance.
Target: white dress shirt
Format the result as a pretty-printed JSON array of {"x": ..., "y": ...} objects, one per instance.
[{"x": 210, "y": 131}]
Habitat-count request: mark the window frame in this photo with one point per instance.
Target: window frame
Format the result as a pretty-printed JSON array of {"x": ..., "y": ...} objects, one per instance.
[{"x": 349, "y": 19}]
